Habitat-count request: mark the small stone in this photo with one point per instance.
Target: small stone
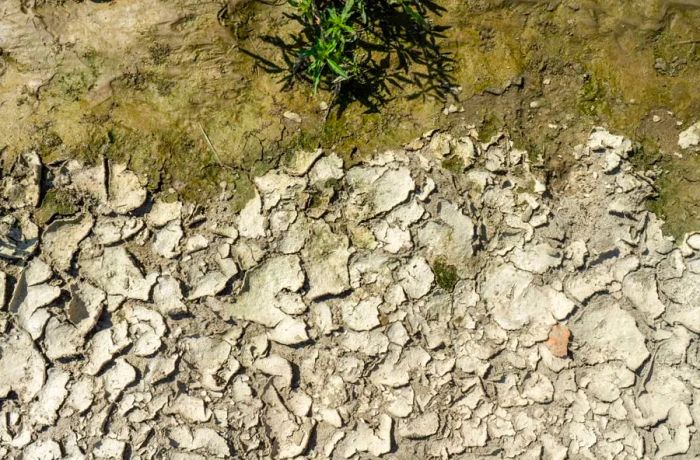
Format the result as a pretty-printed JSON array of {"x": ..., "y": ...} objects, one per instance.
[
  {"x": 694, "y": 241},
  {"x": 558, "y": 342},
  {"x": 690, "y": 137},
  {"x": 163, "y": 212},
  {"x": 292, "y": 116}
]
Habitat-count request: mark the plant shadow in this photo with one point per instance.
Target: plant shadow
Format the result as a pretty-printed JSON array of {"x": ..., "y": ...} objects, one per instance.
[{"x": 396, "y": 56}]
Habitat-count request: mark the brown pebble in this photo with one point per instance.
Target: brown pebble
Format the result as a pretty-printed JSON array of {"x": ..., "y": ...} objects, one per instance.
[{"x": 558, "y": 342}]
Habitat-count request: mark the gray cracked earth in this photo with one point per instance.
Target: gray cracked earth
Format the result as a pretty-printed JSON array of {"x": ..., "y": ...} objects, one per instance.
[{"x": 393, "y": 309}]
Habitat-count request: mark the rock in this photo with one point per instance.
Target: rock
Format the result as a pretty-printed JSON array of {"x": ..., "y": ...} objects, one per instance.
[
  {"x": 607, "y": 381},
  {"x": 118, "y": 377},
  {"x": 29, "y": 302},
  {"x": 146, "y": 330},
  {"x": 325, "y": 259},
  {"x": 290, "y": 438},
  {"x": 91, "y": 181},
  {"x": 196, "y": 243},
  {"x": 125, "y": 190},
  {"x": 82, "y": 394},
  {"x": 558, "y": 341},
  {"x": 289, "y": 331},
  {"x": 163, "y": 212},
  {"x": 115, "y": 272},
  {"x": 684, "y": 307},
  {"x": 189, "y": 408},
  {"x": 62, "y": 340},
  {"x": 42, "y": 449},
  {"x": 25, "y": 380},
  {"x": 23, "y": 187},
  {"x": 690, "y": 137},
  {"x": 85, "y": 306},
  {"x": 610, "y": 333},
  {"x": 450, "y": 238},
  {"x": 212, "y": 358},
  {"x": 105, "y": 344},
  {"x": 693, "y": 241},
  {"x": 538, "y": 388},
  {"x": 328, "y": 167}
]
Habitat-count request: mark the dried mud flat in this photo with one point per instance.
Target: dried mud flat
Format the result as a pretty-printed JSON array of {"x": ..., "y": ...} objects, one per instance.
[{"x": 392, "y": 309}]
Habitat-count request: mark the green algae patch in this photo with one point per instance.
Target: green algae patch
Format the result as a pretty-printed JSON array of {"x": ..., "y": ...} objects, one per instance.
[
  {"x": 54, "y": 204},
  {"x": 445, "y": 275}
]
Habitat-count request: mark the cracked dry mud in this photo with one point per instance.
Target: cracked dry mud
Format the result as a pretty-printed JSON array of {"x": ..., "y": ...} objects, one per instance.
[{"x": 393, "y": 309}]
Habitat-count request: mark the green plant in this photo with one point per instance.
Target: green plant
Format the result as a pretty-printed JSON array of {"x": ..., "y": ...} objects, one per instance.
[{"x": 362, "y": 47}]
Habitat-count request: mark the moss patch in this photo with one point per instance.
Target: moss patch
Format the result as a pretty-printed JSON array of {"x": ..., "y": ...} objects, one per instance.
[
  {"x": 55, "y": 203},
  {"x": 445, "y": 275}
]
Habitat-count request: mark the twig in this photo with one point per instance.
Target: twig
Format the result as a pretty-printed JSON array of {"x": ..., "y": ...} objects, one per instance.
[
  {"x": 689, "y": 42},
  {"x": 211, "y": 146}
]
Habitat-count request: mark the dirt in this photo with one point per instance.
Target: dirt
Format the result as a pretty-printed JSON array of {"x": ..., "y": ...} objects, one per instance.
[{"x": 174, "y": 88}]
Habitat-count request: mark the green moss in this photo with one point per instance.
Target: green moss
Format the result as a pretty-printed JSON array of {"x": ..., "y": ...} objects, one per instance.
[
  {"x": 454, "y": 164},
  {"x": 73, "y": 85},
  {"x": 55, "y": 203},
  {"x": 445, "y": 275},
  {"x": 490, "y": 126},
  {"x": 592, "y": 99}
]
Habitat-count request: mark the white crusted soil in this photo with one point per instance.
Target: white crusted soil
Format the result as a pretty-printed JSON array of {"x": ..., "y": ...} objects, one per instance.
[{"x": 393, "y": 309}]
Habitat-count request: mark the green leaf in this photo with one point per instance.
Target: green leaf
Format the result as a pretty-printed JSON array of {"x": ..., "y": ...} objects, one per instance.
[{"x": 337, "y": 69}]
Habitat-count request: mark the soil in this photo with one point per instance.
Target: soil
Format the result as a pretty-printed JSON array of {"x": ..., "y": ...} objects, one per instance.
[{"x": 182, "y": 89}]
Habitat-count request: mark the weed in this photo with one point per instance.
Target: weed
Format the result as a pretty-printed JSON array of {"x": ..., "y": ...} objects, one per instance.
[{"x": 361, "y": 49}]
